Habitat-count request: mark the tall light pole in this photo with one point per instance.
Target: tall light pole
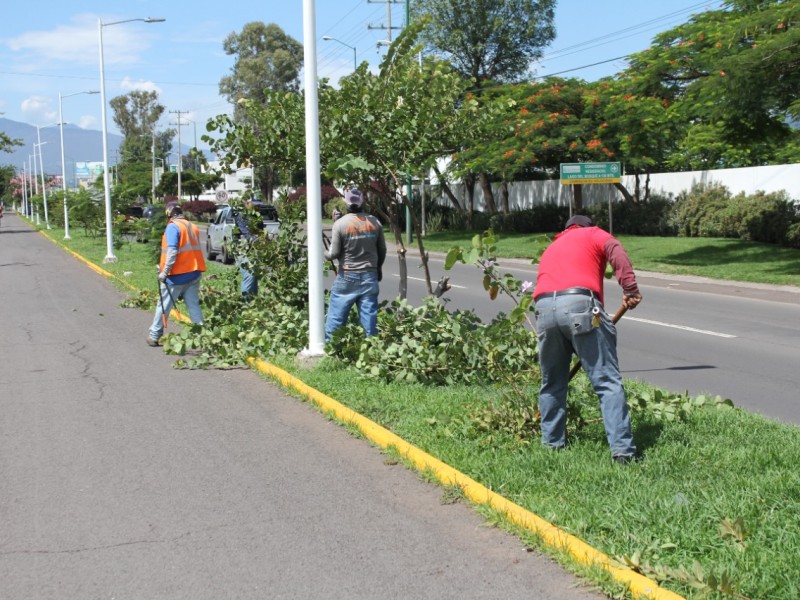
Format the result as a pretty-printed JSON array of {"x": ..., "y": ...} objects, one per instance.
[
  {"x": 328, "y": 38},
  {"x": 63, "y": 164},
  {"x": 41, "y": 172},
  {"x": 153, "y": 156},
  {"x": 106, "y": 187},
  {"x": 316, "y": 290},
  {"x": 24, "y": 191}
]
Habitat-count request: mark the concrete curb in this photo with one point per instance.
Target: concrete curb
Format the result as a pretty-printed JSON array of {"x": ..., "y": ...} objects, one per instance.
[{"x": 640, "y": 586}]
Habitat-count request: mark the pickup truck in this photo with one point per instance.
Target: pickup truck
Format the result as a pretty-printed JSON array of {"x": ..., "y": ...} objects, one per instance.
[{"x": 222, "y": 231}]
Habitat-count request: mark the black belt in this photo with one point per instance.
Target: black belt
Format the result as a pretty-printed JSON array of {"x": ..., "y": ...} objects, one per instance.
[{"x": 575, "y": 291}]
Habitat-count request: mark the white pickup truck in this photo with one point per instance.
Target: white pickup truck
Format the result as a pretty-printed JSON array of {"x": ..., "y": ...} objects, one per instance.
[{"x": 222, "y": 230}]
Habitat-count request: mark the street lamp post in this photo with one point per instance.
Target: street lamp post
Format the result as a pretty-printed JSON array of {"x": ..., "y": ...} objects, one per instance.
[
  {"x": 63, "y": 164},
  {"x": 106, "y": 187},
  {"x": 328, "y": 38},
  {"x": 41, "y": 172}
]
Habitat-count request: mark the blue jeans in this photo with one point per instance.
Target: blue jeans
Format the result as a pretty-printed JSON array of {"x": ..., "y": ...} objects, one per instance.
[
  {"x": 563, "y": 326},
  {"x": 249, "y": 281},
  {"x": 348, "y": 289},
  {"x": 190, "y": 294}
]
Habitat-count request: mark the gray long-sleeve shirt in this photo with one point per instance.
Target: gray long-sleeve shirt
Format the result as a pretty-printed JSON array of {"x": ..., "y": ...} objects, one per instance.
[{"x": 357, "y": 242}]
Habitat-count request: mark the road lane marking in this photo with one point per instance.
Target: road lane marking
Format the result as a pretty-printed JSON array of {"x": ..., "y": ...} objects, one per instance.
[
  {"x": 683, "y": 327},
  {"x": 452, "y": 285}
]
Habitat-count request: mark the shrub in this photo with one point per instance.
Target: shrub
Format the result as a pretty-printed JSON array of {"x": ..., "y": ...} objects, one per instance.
[
  {"x": 698, "y": 212},
  {"x": 654, "y": 217},
  {"x": 761, "y": 217},
  {"x": 199, "y": 209}
]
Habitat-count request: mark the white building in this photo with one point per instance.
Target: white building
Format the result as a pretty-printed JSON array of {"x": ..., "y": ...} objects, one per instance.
[{"x": 233, "y": 185}]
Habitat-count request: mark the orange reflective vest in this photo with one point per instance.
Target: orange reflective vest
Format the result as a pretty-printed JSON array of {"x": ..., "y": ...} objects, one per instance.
[{"x": 190, "y": 256}]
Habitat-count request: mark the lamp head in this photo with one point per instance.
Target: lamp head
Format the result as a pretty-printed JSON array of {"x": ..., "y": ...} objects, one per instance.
[{"x": 153, "y": 20}]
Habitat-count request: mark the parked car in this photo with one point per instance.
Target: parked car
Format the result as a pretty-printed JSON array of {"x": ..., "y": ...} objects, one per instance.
[{"x": 222, "y": 232}]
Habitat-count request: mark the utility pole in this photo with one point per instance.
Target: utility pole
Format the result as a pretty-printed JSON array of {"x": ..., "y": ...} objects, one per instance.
[
  {"x": 180, "y": 156},
  {"x": 388, "y": 25}
]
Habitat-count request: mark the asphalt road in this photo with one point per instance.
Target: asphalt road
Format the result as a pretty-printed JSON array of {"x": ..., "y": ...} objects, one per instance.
[
  {"x": 739, "y": 341},
  {"x": 121, "y": 477}
]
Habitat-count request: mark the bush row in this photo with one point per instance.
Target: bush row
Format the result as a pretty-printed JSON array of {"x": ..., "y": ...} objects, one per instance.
[{"x": 707, "y": 210}]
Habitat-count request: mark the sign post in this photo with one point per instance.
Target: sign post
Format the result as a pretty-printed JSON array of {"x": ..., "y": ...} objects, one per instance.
[
  {"x": 601, "y": 172},
  {"x": 592, "y": 172}
]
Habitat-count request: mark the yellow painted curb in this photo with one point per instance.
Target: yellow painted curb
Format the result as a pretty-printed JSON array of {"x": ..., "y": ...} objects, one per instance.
[
  {"x": 639, "y": 585},
  {"x": 173, "y": 314}
]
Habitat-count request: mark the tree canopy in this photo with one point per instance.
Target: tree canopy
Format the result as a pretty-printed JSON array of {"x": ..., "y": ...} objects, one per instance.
[{"x": 488, "y": 40}]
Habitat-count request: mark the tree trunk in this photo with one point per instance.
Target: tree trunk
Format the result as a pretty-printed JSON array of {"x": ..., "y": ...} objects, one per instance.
[
  {"x": 469, "y": 190},
  {"x": 488, "y": 194},
  {"x": 636, "y": 188},
  {"x": 647, "y": 187},
  {"x": 446, "y": 189},
  {"x": 625, "y": 193},
  {"x": 394, "y": 225},
  {"x": 577, "y": 197},
  {"x": 504, "y": 198}
]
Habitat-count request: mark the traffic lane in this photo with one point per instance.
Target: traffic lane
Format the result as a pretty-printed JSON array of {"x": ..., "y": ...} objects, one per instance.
[
  {"x": 676, "y": 339},
  {"x": 125, "y": 477},
  {"x": 755, "y": 375}
]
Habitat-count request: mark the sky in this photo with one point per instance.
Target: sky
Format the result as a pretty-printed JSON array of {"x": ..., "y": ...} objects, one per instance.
[{"x": 51, "y": 47}]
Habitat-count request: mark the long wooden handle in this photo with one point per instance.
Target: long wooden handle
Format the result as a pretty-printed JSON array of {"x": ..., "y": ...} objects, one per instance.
[{"x": 577, "y": 366}]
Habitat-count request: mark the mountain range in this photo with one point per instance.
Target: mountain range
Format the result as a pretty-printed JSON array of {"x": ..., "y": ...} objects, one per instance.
[{"x": 80, "y": 145}]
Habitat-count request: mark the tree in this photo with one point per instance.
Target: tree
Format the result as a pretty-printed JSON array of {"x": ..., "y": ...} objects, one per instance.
[
  {"x": 6, "y": 143},
  {"x": 488, "y": 41},
  {"x": 388, "y": 126},
  {"x": 267, "y": 60},
  {"x": 136, "y": 114},
  {"x": 733, "y": 75}
]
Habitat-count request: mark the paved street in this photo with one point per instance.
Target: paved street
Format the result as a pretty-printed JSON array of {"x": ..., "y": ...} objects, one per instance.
[{"x": 121, "y": 477}]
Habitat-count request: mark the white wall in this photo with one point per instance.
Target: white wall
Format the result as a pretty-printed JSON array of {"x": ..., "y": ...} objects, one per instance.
[{"x": 527, "y": 194}]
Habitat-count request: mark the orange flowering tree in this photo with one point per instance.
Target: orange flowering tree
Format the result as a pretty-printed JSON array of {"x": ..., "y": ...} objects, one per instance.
[{"x": 731, "y": 77}]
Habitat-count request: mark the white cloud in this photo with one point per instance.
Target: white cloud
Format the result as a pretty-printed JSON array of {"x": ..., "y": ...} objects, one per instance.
[
  {"x": 78, "y": 41},
  {"x": 146, "y": 86},
  {"x": 88, "y": 122},
  {"x": 39, "y": 109}
]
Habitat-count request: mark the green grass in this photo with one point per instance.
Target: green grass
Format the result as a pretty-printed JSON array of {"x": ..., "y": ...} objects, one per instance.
[
  {"x": 721, "y": 489},
  {"x": 718, "y": 467},
  {"x": 135, "y": 263},
  {"x": 718, "y": 258}
]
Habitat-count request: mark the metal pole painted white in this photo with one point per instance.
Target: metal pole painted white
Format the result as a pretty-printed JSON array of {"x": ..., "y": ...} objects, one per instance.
[
  {"x": 44, "y": 184},
  {"x": 106, "y": 185},
  {"x": 63, "y": 168},
  {"x": 316, "y": 294},
  {"x": 24, "y": 190}
]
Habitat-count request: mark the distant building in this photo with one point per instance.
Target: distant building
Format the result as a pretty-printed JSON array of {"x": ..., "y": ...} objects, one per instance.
[{"x": 233, "y": 185}]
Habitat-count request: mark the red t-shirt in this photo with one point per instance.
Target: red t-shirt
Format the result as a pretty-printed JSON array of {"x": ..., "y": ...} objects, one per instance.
[{"x": 577, "y": 258}]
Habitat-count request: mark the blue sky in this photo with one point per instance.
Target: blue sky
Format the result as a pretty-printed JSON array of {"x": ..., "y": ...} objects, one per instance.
[{"x": 49, "y": 47}]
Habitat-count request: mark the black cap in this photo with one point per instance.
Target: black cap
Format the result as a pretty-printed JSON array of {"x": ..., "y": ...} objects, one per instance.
[{"x": 580, "y": 220}]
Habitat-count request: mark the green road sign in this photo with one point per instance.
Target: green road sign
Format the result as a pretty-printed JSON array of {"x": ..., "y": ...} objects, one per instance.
[{"x": 591, "y": 172}]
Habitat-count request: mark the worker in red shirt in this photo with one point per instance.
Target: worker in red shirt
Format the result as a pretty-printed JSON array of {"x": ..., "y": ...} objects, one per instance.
[{"x": 570, "y": 318}]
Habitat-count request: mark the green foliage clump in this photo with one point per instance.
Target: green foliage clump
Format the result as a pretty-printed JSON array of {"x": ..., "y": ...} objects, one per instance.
[
  {"x": 761, "y": 217},
  {"x": 199, "y": 209},
  {"x": 709, "y": 210},
  {"x": 430, "y": 345},
  {"x": 87, "y": 212},
  {"x": 698, "y": 212},
  {"x": 653, "y": 217}
]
